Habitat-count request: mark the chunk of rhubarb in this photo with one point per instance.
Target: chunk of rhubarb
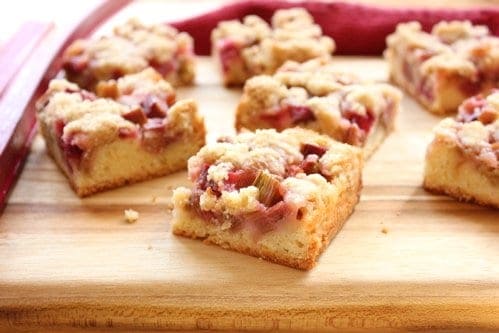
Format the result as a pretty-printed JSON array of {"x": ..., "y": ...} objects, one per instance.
[
  {"x": 165, "y": 68},
  {"x": 154, "y": 107},
  {"x": 363, "y": 121},
  {"x": 311, "y": 164},
  {"x": 77, "y": 64},
  {"x": 229, "y": 51},
  {"x": 309, "y": 149},
  {"x": 268, "y": 218},
  {"x": 136, "y": 115},
  {"x": 269, "y": 188},
  {"x": 288, "y": 115},
  {"x": 241, "y": 178}
]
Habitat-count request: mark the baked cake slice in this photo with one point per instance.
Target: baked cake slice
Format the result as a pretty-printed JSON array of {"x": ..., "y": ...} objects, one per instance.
[
  {"x": 462, "y": 160},
  {"x": 278, "y": 196},
  {"x": 316, "y": 96},
  {"x": 134, "y": 132},
  {"x": 132, "y": 48},
  {"x": 252, "y": 47},
  {"x": 456, "y": 61}
]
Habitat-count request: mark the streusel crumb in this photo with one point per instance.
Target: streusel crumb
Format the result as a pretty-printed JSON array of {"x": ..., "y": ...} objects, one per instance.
[{"x": 131, "y": 216}]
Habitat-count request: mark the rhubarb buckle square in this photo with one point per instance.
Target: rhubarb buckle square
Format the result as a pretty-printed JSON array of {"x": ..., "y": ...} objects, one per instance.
[
  {"x": 130, "y": 130},
  {"x": 252, "y": 47},
  {"x": 315, "y": 95},
  {"x": 441, "y": 69},
  {"x": 277, "y": 196}
]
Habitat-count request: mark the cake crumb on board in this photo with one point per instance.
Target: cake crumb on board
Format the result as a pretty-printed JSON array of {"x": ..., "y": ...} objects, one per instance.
[
  {"x": 131, "y": 215},
  {"x": 384, "y": 230}
]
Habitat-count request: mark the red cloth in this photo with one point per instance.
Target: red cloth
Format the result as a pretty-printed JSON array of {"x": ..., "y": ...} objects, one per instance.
[{"x": 357, "y": 29}]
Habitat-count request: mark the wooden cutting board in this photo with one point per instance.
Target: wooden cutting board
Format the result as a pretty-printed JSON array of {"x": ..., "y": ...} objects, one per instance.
[{"x": 405, "y": 260}]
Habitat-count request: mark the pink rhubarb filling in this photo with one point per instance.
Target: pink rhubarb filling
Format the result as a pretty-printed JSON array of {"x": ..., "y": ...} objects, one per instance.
[
  {"x": 411, "y": 71},
  {"x": 229, "y": 53},
  {"x": 287, "y": 115},
  {"x": 165, "y": 68}
]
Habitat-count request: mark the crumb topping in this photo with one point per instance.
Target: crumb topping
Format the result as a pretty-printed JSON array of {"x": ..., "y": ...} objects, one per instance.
[
  {"x": 450, "y": 32},
  {"x": 264, "y": 150},
  {"x": 102, "y": 59},
  {"x": 252, "y": 30},
  {"x": 133, "y": 89},
  {"x": 159, "y": 42},
  {"x": 146, "y": 82},
  {"x": 268, "y": 150},
  {"x": 69, "y": 105},
  {"x": 139, "y": 106},
  {"x": 317, "y": 76}
]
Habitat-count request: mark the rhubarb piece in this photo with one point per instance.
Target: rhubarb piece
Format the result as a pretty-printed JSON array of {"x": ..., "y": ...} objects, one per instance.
[
  {"x": 316, "y": 96},
  {"x": 462, "y": 161},
  {"x": 254, "y": 193},
  {"x": 241, "y": 178},
  {"x": 131, "y": 48},
  {"x": 310, "y": 149},
  {"x": 441, "y": 69},
  {"x": 252, "y": 47},
  {"x": 311, "y": 164},
  {"x": 288, "y": 116},
  {"x": 269, "y": 192},
  {"x": 154, "y": 107},
  {"x": 136, "y": 116},
  {"x": 102, "y": 143}
]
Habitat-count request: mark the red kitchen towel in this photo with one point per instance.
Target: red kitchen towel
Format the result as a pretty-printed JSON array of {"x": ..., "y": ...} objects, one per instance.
[{"x": 357, "y": 29}]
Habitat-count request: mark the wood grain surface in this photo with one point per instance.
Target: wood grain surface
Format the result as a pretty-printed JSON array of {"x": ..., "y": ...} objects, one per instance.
[{"x": 405, "y": 260}]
